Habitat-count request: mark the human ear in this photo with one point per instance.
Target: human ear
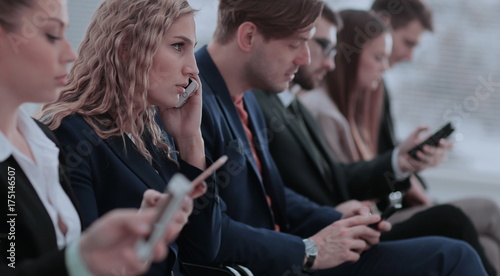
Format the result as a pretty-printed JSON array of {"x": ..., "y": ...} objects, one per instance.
[{"x": 246, "y": 35}]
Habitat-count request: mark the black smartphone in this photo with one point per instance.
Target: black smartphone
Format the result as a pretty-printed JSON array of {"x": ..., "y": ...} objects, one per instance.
[
  {"x": 384, "y": 216},
  {"x": 433, "y": 140},
  {"x": 192, "y": 86}
]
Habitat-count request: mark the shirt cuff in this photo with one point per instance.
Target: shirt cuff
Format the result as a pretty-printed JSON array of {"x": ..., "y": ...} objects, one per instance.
[
  {"x": 399, "y": 174},
  {"x": 74, "y": 261}
]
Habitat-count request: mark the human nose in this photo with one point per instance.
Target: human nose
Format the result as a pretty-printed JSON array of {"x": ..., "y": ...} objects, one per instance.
[
  {"x": 329, "y": 63},
  {"x": 191, "y": 68},
  {"x": 68, "y": 55},
  {"x": 304, "y": 56}
]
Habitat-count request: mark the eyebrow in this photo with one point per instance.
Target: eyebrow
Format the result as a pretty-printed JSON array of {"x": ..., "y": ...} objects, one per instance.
[
  {"x": 58, "y": 20},
  {"x": 187, "y": 40}
]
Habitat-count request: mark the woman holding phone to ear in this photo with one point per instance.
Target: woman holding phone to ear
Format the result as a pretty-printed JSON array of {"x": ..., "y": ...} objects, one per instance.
[
  {"x": 118, "y": 126},
  {"x": 40, "y": 229}
]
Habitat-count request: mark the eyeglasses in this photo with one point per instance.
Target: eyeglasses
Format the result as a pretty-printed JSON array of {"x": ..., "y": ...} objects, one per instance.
[{"x": 329, "y": 49}]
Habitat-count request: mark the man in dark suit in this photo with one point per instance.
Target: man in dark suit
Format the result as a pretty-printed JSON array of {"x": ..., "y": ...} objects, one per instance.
[
  {"x": 307, "y": 166},
  {"x": 266, "y": 226}
]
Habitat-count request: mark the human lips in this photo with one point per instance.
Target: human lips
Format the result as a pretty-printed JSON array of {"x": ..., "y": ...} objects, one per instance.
[
  {"x": 182, "y": 87},
  {"x": 291, "y": 75},
  {"x": 62, "y": 80}
]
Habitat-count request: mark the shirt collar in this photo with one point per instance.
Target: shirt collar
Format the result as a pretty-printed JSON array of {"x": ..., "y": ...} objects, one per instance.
[
  {"x": 30, "y": 130},
  {"x": 286, "y": 97}
]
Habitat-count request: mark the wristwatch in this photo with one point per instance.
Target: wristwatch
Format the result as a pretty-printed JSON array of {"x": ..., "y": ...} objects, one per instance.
[{"x": 311, "y": 253}]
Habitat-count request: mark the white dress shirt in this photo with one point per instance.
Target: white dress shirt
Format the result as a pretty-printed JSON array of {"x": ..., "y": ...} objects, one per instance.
[{"x": 44, "y": 176}]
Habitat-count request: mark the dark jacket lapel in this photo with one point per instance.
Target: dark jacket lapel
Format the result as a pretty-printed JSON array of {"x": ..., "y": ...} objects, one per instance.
[
  {"x": 126, "y": 150},
  {"x": 223, "y": 98},
  {"x": 340, "y": 189}
]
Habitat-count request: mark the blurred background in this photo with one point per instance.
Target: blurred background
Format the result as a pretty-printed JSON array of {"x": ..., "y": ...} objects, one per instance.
[{"x": 455, "y": 76}]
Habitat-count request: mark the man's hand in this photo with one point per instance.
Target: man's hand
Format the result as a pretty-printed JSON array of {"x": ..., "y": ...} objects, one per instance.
[
  {"x": 108, "y": 246},
  {"x": 344, "y": 241},
  {"x": 353, "y": 208},
  {"x": 429, "y": 156}
]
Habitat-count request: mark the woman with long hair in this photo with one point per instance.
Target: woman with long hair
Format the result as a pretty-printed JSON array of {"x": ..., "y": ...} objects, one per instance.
[
  {"x": 117, "y": 123},
  {"x": 40, "y": 229},
  {"x": 352, "y": 90}
]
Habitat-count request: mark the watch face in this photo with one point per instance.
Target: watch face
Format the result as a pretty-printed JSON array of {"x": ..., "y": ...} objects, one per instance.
[{"x": 311, "y": 248}]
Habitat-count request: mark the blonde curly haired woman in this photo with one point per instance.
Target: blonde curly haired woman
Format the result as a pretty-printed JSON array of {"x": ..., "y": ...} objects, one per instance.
[{"x": 117, "y": 123}]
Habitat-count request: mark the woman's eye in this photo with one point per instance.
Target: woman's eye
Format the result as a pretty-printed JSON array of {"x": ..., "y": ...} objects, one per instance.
[
  {"x": 178, "y": 46},
  {"x": 52, "y": 38}
]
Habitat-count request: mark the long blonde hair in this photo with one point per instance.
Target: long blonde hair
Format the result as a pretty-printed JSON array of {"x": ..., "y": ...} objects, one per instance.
[{"x": 108, "y": 82}]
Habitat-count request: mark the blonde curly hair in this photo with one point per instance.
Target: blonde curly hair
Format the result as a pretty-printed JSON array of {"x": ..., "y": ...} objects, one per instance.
[{"x": 109, "y": 80}]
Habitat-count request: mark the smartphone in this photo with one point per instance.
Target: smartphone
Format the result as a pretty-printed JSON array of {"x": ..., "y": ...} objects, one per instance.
[
  {"x": 384, "y": 216},
  {"x": 210, "y": 170},
  {"x": 433, "y": 140},
  {"x": 192, "y": 86},
  {"x": 178, "y": 187}
]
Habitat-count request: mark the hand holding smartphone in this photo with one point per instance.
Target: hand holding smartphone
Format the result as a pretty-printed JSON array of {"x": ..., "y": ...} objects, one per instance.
[
  {"x": 178, "y": 188},
  {"x": 192, "y": 87},
  {"x": 433, "y": 140},
  {"x": 384, "y": 216}
]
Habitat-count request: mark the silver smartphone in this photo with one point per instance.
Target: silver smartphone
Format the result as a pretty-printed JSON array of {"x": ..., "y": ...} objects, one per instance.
[
  {"x": 192, "y": 86},
  {"x": 178, "y": 187}
]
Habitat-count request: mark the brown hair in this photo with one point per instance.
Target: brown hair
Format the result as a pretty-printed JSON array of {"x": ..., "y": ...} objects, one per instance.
[
  {"x": 9, "y": 10},
  {"x": 360, "y": 108},
  {"x": 402, "y": 12},
  {"x": 332, "y": 16},
  {"x": 110, "y": 93},
  {"x": 274, "y": 18}
]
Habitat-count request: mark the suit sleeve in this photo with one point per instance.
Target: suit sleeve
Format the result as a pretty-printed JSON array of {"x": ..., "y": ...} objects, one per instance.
[
  {"x": 372, "y": 179},
  {"x": 306, "y": 218},
  {"x": 201, "y": 237},
  {"x": 77, "y": 156},
  {"x": 263, "y": 251}
]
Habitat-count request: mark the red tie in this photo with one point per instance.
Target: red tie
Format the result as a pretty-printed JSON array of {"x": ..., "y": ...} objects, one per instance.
[{"x": 238, "y": 102}]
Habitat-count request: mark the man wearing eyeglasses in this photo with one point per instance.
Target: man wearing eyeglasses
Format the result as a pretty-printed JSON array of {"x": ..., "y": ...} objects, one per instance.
[
  {"x": 297, "y": 147},
  {"x": 307, "y": 166}
]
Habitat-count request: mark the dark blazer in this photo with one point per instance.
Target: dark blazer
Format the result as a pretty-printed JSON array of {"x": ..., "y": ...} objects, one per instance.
[
  {"x": 36, "y": 251},
  {"x": 295, "y": 149},
  {"x": 387, "y": 138},
  {"x": 248, "y": 237},
  {"x": 111, "y": 173}
]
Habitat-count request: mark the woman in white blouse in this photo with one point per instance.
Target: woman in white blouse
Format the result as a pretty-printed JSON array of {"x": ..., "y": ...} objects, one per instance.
[{"x": 39, "y": 225}]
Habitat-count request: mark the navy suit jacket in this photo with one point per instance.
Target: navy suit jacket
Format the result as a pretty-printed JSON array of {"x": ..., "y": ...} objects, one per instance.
[
  {"x": 111, "y": 173},
  {"x": 330, "y": 183},
  {"x": 248, "y": 237},
  {"x": 36, "y": 251}
]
